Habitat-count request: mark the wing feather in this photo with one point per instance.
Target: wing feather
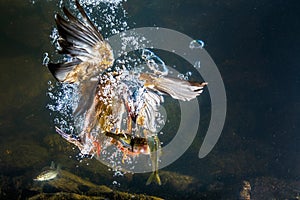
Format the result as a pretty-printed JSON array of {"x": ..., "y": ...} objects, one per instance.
[
  {"x": 80, "y": 40},
  {"x": 176, "y": 88}
]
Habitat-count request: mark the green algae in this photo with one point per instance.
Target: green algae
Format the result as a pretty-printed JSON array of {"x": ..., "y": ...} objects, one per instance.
[{"x": 71, "y": 186}]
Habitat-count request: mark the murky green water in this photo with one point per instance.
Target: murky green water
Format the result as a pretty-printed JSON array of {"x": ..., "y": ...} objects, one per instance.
[{"x": 255, "y": 46}]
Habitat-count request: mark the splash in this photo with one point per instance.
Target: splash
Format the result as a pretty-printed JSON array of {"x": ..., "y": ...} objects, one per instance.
[{"x": 122, "y": 96}]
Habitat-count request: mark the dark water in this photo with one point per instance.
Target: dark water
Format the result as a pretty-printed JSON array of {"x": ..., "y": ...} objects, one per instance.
[{"x": 256, "y": 47}]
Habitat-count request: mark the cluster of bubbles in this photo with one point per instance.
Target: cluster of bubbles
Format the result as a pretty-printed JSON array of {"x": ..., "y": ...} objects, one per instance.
[
  {"x": 96, "y": 2},
  {"x": 86, "y": 2},
  {"x": 63, "y": 101},
  {"x": 132, "y": 42},
  {"x": 54, "y": 38},
  {"x": 110, "y": 18},
  {"x": 185, "y": 76},
  {"x": 108, "y": 15}
]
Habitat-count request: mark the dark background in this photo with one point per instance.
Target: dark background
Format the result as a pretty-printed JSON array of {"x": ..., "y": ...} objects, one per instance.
[{"x": 255, "y": 45}]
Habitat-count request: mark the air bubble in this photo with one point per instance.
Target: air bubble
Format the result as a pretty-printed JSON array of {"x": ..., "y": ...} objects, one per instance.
[
  {"x": 184, "y": 76},
  {"x": 196, "y": 44},
  {"x": 197, "y": 64},
  {"x": 180, "y": 76},
  {"x": 154, "y": 62},
  {"x": 188, "y": 74},
  {"x": 46, "y": 59},
  {"x": 64, "y": 97},
  {"x": 118, "y": 173}
]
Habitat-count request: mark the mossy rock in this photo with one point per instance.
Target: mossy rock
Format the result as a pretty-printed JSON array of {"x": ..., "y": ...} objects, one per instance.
[
  {"x": 64, "y": 195},
  {"x": 74, "y": 196},
  {"x": 70, "y": 186}
]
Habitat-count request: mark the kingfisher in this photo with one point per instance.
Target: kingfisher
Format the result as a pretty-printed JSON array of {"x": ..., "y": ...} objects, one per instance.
[{"x": 107, "y": 96}]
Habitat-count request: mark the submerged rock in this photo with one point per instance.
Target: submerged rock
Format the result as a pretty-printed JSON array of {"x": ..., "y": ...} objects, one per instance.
[
  {"x": 118, "y": 196},
  {"x": 245, "y": 192},
  {"x": 70, "y": 186},
  {"x": 273, "y": 188}
]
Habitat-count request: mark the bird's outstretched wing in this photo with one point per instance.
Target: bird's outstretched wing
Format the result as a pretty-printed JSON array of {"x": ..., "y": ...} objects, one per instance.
[
  {"x": 81, "y": 41},
  {"x": 176, "y": 88}
]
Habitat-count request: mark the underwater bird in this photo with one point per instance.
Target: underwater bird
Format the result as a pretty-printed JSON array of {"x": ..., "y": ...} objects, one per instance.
[
  {"x": 107, "y": 95},
  {"x": 48, "y": 174}
]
